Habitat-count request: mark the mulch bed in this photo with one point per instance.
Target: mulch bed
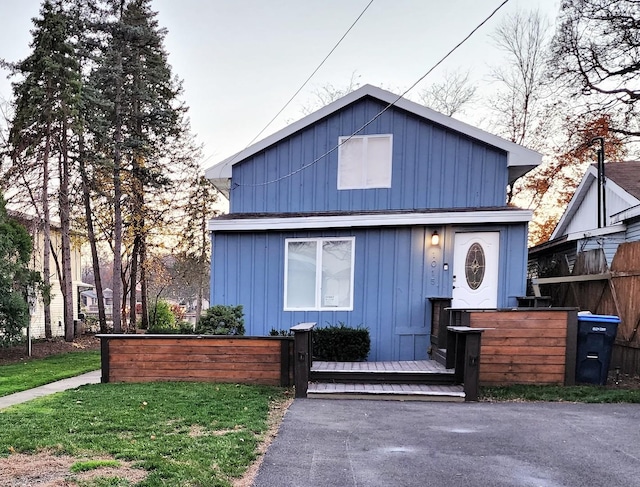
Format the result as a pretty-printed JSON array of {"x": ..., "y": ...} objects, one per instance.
[{"x": 46, "y": 348}]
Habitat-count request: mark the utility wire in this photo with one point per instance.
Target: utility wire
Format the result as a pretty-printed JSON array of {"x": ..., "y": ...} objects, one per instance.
[
  {"x": 299, "y": 89},
  {"x": 333, "y": 149}
]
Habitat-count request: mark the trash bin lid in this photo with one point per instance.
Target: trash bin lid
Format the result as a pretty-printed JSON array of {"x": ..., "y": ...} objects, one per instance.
[{"x": 599, "y": 318}]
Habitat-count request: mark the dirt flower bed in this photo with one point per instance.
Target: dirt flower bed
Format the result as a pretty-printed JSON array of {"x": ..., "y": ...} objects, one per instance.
[
  {"x": 46, "y": 348},
  {"x": 47, "y": 470}
]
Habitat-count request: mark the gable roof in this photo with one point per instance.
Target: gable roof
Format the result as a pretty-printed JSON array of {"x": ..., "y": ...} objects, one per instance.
[
  {"x": 626, "y": 175},
  {"x": 520, "y": 160},
  {"x": 622, "y": 178}
]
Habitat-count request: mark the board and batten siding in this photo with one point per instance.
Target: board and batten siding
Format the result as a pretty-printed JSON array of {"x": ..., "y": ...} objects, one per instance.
[
  {"x": 396, "y": 270},
  {"x": 433, "y": 167}
]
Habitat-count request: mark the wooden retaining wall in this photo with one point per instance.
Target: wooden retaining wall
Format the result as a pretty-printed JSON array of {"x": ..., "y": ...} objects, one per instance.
[
  {"x": 149, "y": 358},
  {"x": 526, "y": 346}
]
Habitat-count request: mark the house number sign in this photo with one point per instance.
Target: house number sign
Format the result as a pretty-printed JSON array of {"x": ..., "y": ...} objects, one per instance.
[{"x": 474, "y": 266}]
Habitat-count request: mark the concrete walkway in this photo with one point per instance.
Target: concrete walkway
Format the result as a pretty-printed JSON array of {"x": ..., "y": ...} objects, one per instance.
[
  {"x": 344, "y": 443},
  {"x": 61, "y": 385}
]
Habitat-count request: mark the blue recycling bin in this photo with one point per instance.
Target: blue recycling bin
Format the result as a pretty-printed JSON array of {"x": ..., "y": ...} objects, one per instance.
[{"x": 596, "y": 334}]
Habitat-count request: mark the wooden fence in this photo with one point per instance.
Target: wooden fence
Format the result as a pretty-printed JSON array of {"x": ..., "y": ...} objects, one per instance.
[
  {"x": 594, "y": 287},
  {"x": 149, "y": 358},
  {"x": 526, "y": 346}
]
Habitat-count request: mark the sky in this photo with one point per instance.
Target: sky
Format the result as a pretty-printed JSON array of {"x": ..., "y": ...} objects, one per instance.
[{"x": 241, "y": 60}]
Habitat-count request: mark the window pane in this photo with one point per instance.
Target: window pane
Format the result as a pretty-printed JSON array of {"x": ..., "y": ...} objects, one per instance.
[
  {"x": 301, "y": 275},
  {"x": 378, "y": 164},
  {"x": 336, "y": 274},
  {"x": 350, "y": 168}
]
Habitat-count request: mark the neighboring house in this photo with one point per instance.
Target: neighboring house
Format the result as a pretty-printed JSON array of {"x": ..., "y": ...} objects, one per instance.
[
  {"x": 90, "y": 301},
  {"x": 330, "y": 227},
  {"x": 57, "y": 305},
  {"x": 578, "y": 229}
]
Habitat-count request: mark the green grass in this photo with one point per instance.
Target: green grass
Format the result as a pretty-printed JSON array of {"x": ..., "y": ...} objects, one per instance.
[
  {"x": 589, "y": 394},
  {"x": 34, "y": 373},
  {"x": 183, "y": 434},
  {"x": 87, "y": 465}
]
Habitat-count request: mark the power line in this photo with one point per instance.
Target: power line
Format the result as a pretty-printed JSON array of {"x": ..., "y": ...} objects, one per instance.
[
  {"x": 333, "y": 149},
  {"x": 299, "y": 89}
]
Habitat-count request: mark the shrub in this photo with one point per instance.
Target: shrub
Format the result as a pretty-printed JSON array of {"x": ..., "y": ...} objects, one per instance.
[
  {"x": 221, "y": 320},
  {"x": 161, "y": 319},
  {"x": 341, "y": 343}
]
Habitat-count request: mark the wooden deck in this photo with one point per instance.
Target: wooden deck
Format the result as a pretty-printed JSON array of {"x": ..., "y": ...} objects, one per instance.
[{"x": 420, "y": 366}]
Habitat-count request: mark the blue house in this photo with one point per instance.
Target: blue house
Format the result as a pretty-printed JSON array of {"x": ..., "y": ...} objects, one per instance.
[{"x": 364, "y": 210}]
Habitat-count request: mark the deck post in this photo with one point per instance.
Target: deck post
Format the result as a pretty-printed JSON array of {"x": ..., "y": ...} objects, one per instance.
[
  {"x": 104, "y": 358},
  {"x": 465, "y": 344},
  {"x": 302, "y": 350}
]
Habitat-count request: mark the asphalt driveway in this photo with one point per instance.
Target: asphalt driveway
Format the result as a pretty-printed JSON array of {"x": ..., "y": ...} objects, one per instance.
[{"x": 384, "y": 443}]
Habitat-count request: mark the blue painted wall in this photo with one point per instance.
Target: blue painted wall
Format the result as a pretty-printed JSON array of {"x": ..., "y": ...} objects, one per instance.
[
  {"x": 394, "y": 276},
  {"x": 433, "y": 167}
]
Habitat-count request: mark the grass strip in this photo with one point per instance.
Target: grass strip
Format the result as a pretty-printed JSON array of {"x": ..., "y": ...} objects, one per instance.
[
  {"x": 587, "y": 394},
  {"x": 186, "y": 434},
  {"x": 38, "y": 372}
]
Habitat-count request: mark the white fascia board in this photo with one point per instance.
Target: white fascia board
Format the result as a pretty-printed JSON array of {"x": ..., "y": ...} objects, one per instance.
[
  {"x": 517, "y": 155},
  {"x": 597, "y": 232},
  {"x": 379, "y": 220},
  {"x": 627, "y": 214}
]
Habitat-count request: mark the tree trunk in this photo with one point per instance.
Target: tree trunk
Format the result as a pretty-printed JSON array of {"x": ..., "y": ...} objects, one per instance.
[
  {"x": 117, "y": 208},
  {"x": 91, "y": 235},
  {"x": 46, "y": 234},
  {"x": 133, "y": 282},
  {"x": 65, "y": 228},
  {"x": 144, "y": 289}
]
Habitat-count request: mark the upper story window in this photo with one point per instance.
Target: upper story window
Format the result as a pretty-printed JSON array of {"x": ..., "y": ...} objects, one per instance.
[{"x": 364, "y": 161}]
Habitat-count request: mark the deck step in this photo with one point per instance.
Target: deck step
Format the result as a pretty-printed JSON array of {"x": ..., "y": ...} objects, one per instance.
[
  {"x": 389, "y": 392},
  {"x": 409, "y": 372}
]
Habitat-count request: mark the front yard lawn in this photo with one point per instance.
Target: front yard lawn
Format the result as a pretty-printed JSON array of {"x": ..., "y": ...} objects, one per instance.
[
  {"x": 175, "y": 434},
  {"x": 33, "y": 373}
]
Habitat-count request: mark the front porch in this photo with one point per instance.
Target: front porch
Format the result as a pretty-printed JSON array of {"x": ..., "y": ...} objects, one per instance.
[{"x": 425, "y": 380}]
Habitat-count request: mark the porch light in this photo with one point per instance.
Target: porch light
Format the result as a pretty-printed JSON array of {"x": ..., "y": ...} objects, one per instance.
[{"x": 435, "y": 238}]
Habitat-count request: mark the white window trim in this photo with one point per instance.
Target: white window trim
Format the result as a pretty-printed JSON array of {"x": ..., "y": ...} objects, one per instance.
[
  {"x": 318, "y": 298},
  {"x": 365, "y": 139}
]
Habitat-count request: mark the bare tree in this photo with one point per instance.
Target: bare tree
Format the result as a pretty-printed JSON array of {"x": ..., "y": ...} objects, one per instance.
[
  {"x": 451, "y": 95},
  {"x": 329, "y": 93},
  {"x": 596, "y": 55},
  {"x": 521, "y": 89}
]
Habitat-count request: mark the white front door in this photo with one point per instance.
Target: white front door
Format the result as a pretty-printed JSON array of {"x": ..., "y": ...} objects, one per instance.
[{"x": 475, "y": 270}]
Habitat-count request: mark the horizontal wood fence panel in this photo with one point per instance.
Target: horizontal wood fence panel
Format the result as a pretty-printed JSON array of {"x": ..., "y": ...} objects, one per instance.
[
  {"x": 521, "y": 359},
  {"x": 530, "y": 342},
  {"x": 148, "y": 358},
  {"x": 522, "y": 351},
  {"x": 524, "y": 368},
  {"x": 507, "y": 378},
  {"x": 173, "y": 368},
  {"x": 526, "y": 346},
  {"x": 128, "y": 358}
]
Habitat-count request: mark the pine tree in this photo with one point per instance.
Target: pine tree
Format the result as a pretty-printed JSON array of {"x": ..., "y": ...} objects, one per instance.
[
  {"x": 46, "y": 102},
  {"x": 140, "y": 103}
]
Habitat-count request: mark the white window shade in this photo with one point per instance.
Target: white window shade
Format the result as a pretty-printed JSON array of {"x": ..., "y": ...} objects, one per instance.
[{"x": 365, "y": 162}]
